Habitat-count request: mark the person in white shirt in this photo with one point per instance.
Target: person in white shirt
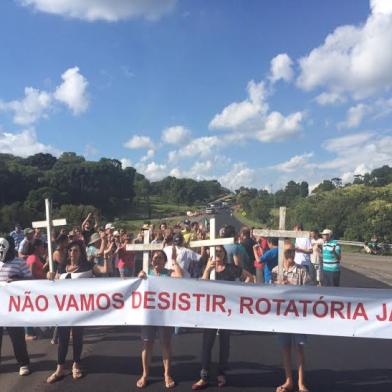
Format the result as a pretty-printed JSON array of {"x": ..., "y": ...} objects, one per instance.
[
  {"x": 189, "y": 261},
  {"x": 303, "y": 250},
  {"x": 317, "y": 255}
]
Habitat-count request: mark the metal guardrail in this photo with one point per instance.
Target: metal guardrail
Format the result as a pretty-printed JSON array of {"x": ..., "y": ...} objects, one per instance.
[
  {"x": 351, "y": 243},
  {"x": 357, "y": 243}
]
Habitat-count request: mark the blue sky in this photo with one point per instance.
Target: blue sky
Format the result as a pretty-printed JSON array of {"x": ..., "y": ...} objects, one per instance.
[{"x": 251, "y": 93}]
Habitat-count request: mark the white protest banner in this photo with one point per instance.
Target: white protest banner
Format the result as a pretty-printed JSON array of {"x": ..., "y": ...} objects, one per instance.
[{"x": 196, "y": 303}]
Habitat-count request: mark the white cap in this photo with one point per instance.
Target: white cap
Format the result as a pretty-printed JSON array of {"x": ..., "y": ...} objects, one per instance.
[{"x": 109, "y": 226}]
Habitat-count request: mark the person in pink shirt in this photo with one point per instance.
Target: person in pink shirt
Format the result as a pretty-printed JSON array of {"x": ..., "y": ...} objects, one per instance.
[
  {"x": 36, "y": 259},
  {"x": 36, "y": 263},
  {"x": 126, "y": 259}
]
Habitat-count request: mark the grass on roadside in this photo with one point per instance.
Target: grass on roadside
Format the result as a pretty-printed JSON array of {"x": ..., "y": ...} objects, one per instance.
[
  {"x": 245, "y": 220},
  {"x": 156, "y": 209}
]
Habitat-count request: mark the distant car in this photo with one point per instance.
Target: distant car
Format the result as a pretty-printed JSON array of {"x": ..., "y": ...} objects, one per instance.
[{"x": 210, "y": 210}]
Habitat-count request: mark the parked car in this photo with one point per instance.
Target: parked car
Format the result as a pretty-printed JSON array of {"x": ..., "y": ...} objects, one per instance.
[{"x": 210, "y": 210}]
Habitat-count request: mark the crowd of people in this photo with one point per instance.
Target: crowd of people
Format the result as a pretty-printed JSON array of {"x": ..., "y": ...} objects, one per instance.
[{"x": 91, "y": 250}]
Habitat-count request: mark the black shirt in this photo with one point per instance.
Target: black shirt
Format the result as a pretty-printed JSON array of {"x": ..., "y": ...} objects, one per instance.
[
  {"x": 230, "y": 273},
  {"x": 248, "y": 244},
  {"x": 87, "y": 234}
]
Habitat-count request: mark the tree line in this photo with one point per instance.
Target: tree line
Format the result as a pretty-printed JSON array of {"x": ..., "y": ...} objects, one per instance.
[
  {"x": 355, "y": 211},
  {"x": 78, "y": 186}
]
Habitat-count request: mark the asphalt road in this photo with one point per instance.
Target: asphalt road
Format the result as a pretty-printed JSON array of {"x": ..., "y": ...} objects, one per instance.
[{"x": 112, "y": 360}]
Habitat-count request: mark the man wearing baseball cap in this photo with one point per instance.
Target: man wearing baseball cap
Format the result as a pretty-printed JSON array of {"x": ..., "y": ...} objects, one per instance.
[
  {"x": 331, "y": 260},
  {"x": 24, "y": 246}
]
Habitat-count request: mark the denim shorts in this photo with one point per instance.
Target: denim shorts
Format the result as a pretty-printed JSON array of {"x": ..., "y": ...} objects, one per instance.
[{"x": 287, "y": 339}]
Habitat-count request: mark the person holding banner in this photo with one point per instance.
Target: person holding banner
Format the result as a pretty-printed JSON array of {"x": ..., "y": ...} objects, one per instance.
[
  {"x": 77, "y": 267},
  {"x": 297, "y": 275},
  {"x": 36, "y": 261},
  {"x": 12, "y": 269},
  {"x": 158, "y": 262},
  {"x": 228, "y": 272}
]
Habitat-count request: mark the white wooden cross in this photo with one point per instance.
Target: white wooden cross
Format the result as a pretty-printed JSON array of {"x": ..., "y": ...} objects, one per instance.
[
  {"x": 212, "y": 242},
  {"x": 146, "y": 248},
  {"x": 281, "y": 234},
  {"x": 48, "y": 224}
]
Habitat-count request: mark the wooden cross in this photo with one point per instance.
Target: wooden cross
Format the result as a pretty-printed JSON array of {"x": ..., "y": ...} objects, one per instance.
[
  {"x": 48, "y": 224},
  {"x": 146, "y": 248},
  {"x": 212, "y": 242},
  {"x": 281, "y": 234}
]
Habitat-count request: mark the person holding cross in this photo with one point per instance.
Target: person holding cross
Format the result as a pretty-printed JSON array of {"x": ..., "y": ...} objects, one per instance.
[
  {"x": 223, "y": 270},
  {"x": 77, "y": 267},
  {"x": 189, "y": 260},
  {"x": 293, "y": 274},
  {"x": 269, "y": 259},
  {"x": 158, "y": 267}
]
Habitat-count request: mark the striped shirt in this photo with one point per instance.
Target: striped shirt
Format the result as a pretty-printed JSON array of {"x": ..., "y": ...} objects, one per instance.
[
  {"x": 330, "y": 261},
  {"x": 14, "y": 269}
]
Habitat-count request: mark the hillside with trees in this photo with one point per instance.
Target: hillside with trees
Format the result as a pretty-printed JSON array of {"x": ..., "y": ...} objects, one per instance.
[
  {"x": 78, "y": 186},
  {"x": 354, "y": 211}
]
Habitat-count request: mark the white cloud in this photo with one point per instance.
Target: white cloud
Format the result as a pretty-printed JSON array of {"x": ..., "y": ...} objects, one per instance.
[
  {"x": 176, "y": 135},
  {"x": 278, "y": 128},
  {"x": 237, "y": 114},
  {"x": 355, "y": 116},
  {"x": 357, "y": 153},
  {"x": 153, "y": 171},
  {"x": 250, "y": 119},
  {"x": 136, "y": 142},
  {"x": 297, "y": 162},
  {"x": 343, "y": 143},
  {"x": 383, "y": 108},
  {"x": 125, "y": 162},
  {"x": 30, "y": 108},
  {"x": 330, "y": 98},
  {"x": 150, "y": 154},
  {"x": 203, "y": 147},
  {"x": 36, "y": 103},
  {"x": 239, "y": 175},
  {"x": 201, "y": 170},
  {"x": 24, "y": 144},
  {"x": 381, "y": 6},
  {"x": 281, "y": 68},
  {"x": 107, "y": 10},
  {"x": 353, "y": 59},
  {"x": 176, "y": 172},
  {"x": 73, "y": 91},
  {"x": 349, "y": 155}
]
